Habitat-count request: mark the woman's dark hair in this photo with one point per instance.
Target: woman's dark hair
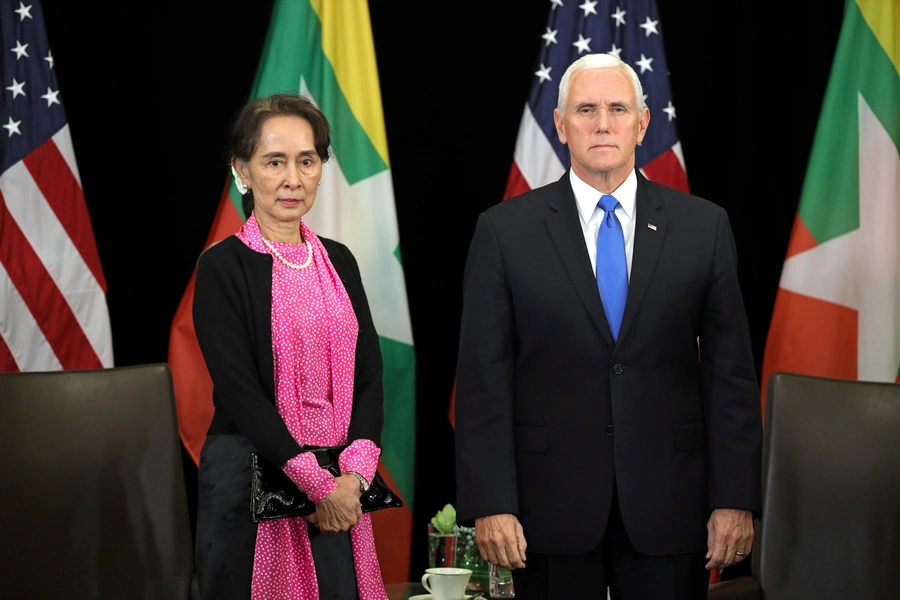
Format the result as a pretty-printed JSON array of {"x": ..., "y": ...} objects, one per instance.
[{"x": 247, "y": 128}]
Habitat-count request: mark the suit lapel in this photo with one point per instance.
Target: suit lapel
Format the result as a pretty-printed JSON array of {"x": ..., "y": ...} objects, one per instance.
[
  {"x": 568, "y": 237},
  {"x": 649, "y": 233}
]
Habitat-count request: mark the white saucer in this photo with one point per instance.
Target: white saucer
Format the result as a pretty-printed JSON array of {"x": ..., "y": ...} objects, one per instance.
[{"x": 430, "y": 597}]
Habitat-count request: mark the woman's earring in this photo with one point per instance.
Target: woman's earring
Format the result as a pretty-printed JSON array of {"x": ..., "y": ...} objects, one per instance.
[{"x": 238, "y": 182}]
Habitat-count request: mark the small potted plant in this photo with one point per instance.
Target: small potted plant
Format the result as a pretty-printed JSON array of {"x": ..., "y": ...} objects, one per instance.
[{"x": 448, "y": 539}]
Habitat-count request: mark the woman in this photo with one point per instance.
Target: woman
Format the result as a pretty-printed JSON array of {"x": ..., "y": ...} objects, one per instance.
[{"x": 285, "y": 329}]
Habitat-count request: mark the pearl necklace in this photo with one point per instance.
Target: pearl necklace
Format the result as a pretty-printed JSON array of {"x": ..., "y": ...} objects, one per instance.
[{"x": 285, "y": 261}]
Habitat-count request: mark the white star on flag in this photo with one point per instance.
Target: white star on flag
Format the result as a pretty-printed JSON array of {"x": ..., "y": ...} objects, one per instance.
[
  {"x": 12, "y": 127},
  {"x": 582, "y": 44},
  {"x": 23, "y": 11},
  {"x": 670, "y": 110},
  {"x": 550, "y": 36},
  {"x": 588, "y": 7},
  {"x": 644, "y": 63},
  {"x": 543, "y": 73},
  {"x": 20, "y": 50},
  {"x": 649, "y": 26},
  {"x": 619, "y": 16},
  {"x": 16, "y": 88},
  {"x": 616, "y": 52},
  {"x": 51, "y": 97}
]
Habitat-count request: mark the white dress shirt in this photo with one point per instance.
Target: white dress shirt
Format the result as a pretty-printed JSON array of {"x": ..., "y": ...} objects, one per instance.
[{"x": 591, "y": 215}]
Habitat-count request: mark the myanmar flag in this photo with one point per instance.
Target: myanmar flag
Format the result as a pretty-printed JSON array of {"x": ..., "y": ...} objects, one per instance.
[
  {"x": 324, "y": 50},
  {"x": 837, "y": 311}
]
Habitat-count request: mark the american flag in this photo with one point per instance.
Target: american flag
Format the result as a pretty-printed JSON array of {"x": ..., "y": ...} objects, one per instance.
[
  {"x": 629, "y": 29},
  {"x": 53, "y": 312}
]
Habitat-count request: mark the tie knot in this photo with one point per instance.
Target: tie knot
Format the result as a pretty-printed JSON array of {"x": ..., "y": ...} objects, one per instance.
[{"x": 608, "y": 203}]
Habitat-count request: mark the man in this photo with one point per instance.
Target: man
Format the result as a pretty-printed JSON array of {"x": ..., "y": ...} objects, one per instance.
[{"x": 591, "y": 428}]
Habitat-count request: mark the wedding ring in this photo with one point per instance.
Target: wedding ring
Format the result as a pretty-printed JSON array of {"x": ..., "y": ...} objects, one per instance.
[{"x": 739, "y": 553}]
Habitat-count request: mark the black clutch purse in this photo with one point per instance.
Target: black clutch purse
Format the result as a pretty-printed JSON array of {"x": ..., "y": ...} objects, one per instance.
[{"x": 274, "y": 496}]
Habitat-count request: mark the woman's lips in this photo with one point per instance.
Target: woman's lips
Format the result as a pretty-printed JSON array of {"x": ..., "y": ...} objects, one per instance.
[{"x": 290, "y": 202}]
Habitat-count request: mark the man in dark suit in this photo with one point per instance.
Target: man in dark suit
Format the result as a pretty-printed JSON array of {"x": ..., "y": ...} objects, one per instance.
[{"x": 607, "y": 406}]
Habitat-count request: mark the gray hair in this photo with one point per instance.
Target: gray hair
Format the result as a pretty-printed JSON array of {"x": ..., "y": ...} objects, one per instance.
[{"x": 599, "y": 61}]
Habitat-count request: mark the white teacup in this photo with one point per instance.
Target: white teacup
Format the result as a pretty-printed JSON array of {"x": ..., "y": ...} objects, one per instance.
[{"x": 446, "y": 583}]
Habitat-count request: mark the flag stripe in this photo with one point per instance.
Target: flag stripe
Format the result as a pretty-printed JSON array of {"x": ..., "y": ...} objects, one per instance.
[
  {"x": 534, "y": 155},
  {"x": 392, "y": 535},
  {"x": 667, "y": 168},
  {"x": 812, "y": 337},
  {"x": 285, "y": 69},
  {"x": 346, "y": 42},
  {"x": 59, "y": 257},
  {"x": 515, "y": 185},
  {"x": 43, "y": 299},
  {"x": 7, "y": 363},
  {"x": 22, "y": 343},
  {"x": 801, "y": 239},
  {"x": 190, "y": 378},
  {"x": 829, "y": 205},
  {"x": 63, "y": 141},
  {"x": 882, "y": 18},
  {"x": 398, "y": 435},
  {"x": 60, "y": 188}
]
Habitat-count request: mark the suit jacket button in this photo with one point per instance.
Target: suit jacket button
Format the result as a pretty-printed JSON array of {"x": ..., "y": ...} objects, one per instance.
[
  {"x": 617, "y": 369},
  {"x": 609, "y": 430}
]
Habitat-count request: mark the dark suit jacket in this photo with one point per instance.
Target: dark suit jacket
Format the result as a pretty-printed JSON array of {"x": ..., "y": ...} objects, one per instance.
[{"x": 552, "y": 416}]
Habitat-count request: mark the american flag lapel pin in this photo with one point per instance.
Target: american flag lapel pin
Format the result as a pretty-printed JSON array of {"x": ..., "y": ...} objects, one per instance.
[{"x": 651, "y": 225}]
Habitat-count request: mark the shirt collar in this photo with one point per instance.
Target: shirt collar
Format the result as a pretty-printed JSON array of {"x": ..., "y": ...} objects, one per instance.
[{"x": 586, "y": 197}]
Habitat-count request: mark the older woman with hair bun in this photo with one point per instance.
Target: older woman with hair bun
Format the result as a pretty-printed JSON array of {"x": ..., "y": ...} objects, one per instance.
[{"x": 286, "y": 332}]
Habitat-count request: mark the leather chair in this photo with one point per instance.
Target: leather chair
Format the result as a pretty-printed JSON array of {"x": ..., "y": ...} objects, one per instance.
[
  {"x": 830, "y": 524},
  {"x": 94, "y": 501}
]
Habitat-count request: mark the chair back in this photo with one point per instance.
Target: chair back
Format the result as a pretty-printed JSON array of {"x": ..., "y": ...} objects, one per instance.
[
  {"x": 94, "y": 501},
  {"x": 831, "y": 490}
]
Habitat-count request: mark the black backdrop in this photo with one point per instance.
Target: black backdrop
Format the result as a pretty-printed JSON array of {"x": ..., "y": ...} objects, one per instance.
[{"x": 149, "y": 89}]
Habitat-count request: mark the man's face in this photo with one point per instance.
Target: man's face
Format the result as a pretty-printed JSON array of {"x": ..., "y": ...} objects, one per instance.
[{"x": 602, "y": 124}]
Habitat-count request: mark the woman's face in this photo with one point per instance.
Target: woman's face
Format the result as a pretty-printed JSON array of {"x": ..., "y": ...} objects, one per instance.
[{"x": 284, "y": 171}]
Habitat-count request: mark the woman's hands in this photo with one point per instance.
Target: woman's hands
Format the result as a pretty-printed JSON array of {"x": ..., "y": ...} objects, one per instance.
[{"x": 340, "y": 510}]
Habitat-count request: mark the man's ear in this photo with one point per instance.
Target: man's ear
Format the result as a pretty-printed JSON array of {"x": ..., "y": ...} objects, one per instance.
[
  {"x": 558, "y": 123},
  {"x": 644, "y": 123}
]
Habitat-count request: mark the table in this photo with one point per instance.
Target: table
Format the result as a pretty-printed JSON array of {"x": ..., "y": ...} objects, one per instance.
[{"x": 404, "y": 591}]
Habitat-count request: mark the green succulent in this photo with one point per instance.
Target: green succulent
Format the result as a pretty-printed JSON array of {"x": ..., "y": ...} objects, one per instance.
[{"x": 445, "y": 519}]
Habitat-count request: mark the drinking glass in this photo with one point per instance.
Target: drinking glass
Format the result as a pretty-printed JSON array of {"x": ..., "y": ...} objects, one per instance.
[
  {"x": 500, "y": 583},
  {"x": 441, "y": 548}
]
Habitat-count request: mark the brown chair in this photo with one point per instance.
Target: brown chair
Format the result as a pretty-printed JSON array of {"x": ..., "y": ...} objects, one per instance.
[
  {"x": 830, "y": 525},
  {"x": 94, "y": 501}
]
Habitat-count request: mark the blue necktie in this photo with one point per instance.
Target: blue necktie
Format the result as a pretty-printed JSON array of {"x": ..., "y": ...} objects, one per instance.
[{"x": 612, "y": 270}]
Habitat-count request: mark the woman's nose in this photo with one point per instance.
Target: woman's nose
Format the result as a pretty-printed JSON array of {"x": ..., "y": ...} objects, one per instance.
[{"x": 292, "y": 177}]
